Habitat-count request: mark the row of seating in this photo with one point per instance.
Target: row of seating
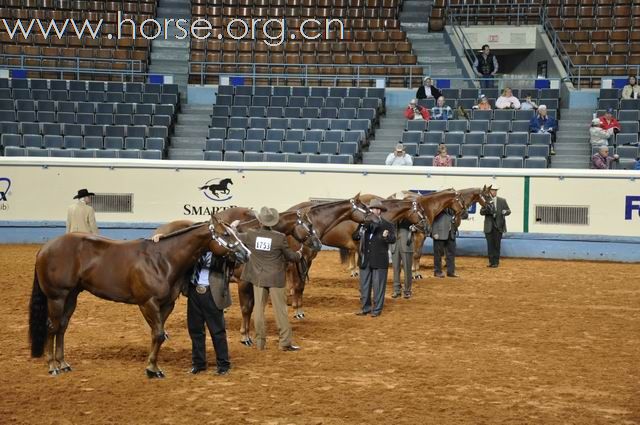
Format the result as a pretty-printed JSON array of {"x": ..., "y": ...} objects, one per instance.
[
  {"x": 82, "y": 96},
  {"x": 551, "y": 104},
  {"x": 79, "y": 5},
  {"x": 86, "y": 107},
  {"x": 285, "y": 146},
  {"x": 94, "y": 16},
  {"x": 301, "y": 102},
  {"x": 61, "y": 118},
  {"x": 278, "y": 134},
  {"x": 294, "y": 112},
  {"x": 457, "y": 126},
  {"x": 488, "y": 162},
  {"x": 475, "y": 138},
  {"x": 304, "y": 3},
  {"x": 276, "y": 157},
  {"x": 286, "y": 91},
  {"x": 480, "y": 150},
  {"x": 80, "y": 142},
  {"x": 619, "y": 104},
  {"x": 246, "y": 123},
  {"x": 43, "y": 129},
  {"x": 625, "y": 152},
  {"x": 92, "y": 86},
  {"x": 84, "y": 153}
]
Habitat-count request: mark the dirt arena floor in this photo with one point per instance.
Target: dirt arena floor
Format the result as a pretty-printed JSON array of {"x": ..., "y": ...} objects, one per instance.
[{"x": 534, "y": 342}]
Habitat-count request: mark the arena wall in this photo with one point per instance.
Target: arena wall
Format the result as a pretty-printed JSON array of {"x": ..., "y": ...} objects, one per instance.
[{"x": 36, "y": 194}]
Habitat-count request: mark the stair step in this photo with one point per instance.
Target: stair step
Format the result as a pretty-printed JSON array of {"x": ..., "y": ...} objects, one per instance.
[
  {"x": 186, "y": 154},
  {"x": 169, "y": 54},
  {"x": 188, "y": 142}
]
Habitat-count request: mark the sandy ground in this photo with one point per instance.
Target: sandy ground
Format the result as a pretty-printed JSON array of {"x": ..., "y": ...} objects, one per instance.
[{"x": 545, "y": 342}]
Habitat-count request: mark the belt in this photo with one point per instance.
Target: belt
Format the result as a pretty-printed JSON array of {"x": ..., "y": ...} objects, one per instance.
[{"x": 202, "y": 289}]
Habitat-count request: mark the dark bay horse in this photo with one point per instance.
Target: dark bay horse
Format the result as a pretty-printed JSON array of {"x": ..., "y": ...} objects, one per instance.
[{"x": 133, "y": 272}]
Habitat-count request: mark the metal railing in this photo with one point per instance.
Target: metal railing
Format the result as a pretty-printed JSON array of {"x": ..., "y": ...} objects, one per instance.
[
  {"x": 468, "y": 13},
  {"x": 411, "y": 77}
]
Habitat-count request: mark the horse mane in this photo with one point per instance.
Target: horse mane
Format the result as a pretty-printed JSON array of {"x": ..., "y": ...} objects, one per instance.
[{"x": 182, "y": 231}]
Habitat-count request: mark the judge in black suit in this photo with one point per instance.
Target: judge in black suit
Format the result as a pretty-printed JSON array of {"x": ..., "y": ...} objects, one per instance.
[
  {"x": 495, "y": 225},
  {"x": 373, "y": 260},
  {"x": 428, "y": 90}
]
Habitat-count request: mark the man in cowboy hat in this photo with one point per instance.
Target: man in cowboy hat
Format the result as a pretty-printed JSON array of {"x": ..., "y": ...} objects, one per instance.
[
  {"x": 373, "y": 259},
  {"x": 266, "y": 271},
  {"x": 80, "y": 216},
  {"x": 495, "y": 225},
  {"x": 399, "y": 157}
]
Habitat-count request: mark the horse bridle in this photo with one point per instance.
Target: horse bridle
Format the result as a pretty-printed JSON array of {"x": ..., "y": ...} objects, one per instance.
[
  {"x": 230, "y": 246},
  {"x": 420, "y": 213},
  {"x": 307, "y": 226},
  {"x": 364, "y": 210}
]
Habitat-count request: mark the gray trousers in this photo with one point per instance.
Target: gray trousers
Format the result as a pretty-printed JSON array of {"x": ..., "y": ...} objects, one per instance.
[
  {"x": 376, "y": 280},
  {"x": 402, "y": 260}
]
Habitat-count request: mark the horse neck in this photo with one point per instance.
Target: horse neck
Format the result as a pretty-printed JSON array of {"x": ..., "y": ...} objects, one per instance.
[
  {"x": 397, "y": 210},
  {"x": 183, "y": 249},
  {"x": 326, "y": 217},
  {"x": 433, "y": 205},
  {"x": 287, "y": 222}
]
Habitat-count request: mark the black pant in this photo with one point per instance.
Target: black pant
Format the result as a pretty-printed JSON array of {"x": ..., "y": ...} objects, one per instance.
[
  {"x": 200, "y": 310},
  {"x": 494, "y": 238},
  {"x": 447, "y": 247}
]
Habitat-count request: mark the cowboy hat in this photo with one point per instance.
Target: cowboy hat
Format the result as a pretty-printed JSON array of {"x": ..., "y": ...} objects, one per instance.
[
  {"x": 376, "y": 203},
  {"x": 268, "y": 216},
  {"x": 595, "y": 121},
  {"x": 82, "y": 193},
  {"x": 399, "y": 147}
]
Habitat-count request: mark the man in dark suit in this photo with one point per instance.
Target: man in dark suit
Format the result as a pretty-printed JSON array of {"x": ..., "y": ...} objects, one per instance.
[
  {"x": 373, "y": 259},
  {"x": 495, "y": 225},
  {"x": 444, "y": 233},
  {"x": 428, "y": 90},
  {"x": 208, "y": 297},
  {"x": 266, "y": 271},
  {"x": 402, "y": 258}
]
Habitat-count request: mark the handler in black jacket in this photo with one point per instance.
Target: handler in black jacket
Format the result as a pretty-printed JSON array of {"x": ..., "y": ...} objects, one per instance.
[
  {"x": 373, "y": 260},
  {"x": 428, "y": 90}
]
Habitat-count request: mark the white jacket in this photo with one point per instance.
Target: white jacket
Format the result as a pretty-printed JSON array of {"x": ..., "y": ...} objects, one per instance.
[
  {"x": 392, "y": 159},
  {"x": 600, "y": 137}
]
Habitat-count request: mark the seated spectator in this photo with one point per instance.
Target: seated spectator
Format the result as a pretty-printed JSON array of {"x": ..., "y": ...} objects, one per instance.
[
  {"x": 601, "y": 159},
  {"x": 441, "y": 111},
  {"x": 399, "y": 157},
  {"x": 483, "y": 104},
  {"x": 507, "y": 100},
  {"x": 599, "y": 137},
  {"x": 442, "y": 159},
  {"x": 428, "y": 90},
  {"x": 607, "y": 121},
  {"x": 416, "y": 112},
  {"x": 543, "y": 123},
  {"x": 528, "y": 104},
  {"x": 632, "y": 89}
]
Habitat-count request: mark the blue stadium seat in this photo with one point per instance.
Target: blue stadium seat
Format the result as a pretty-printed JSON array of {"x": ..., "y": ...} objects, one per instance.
[
  {"x": 535, "y": 163},
  {"x": 213, "y": 156},
  {"x": 490, "y": 162},
  {"x": 512, "y": 162},
  {"x": 234, "y": 156},
  {"x": 467, "y": 161}
]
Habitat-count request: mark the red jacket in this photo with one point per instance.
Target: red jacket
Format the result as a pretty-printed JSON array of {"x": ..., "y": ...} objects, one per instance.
[
  {"x": 409, "y": 114},
  {"x": 606, "y": 125}
]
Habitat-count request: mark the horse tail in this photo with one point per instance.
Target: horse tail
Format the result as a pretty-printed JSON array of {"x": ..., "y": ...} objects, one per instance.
[
  {"x": 344, "y": 255},
  {"x": 38, "y": 314}
]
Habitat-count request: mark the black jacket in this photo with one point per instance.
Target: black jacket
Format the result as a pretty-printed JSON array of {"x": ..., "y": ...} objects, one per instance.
[
  {"x": 494, "y": 218},
  {"x": 421, "y": 94},
  {"x": 374, "y": 249}
]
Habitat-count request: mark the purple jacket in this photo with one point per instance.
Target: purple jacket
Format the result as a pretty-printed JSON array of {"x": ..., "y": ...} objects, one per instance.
[{"x": 600, "y": 162}]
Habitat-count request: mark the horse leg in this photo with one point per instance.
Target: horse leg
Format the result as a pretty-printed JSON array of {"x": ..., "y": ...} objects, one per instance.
[
  {"x": 151, "y": 312},
  {"x": 245, "y": 294},
  {"x": 353, "y": 266},
  {"x": 56, "y": 310},
  {"x": 418, "y": 242},
  {"x": 69, "y": 308},
  {"x": 296, "y": 294},
  {"x": 165, "y": 311}
]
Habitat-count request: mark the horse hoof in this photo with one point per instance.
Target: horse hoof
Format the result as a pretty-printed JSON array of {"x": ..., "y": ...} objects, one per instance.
[
  {"x": 66, "y": 369},
  {"x": 54, "y": 372},
  {"x": 151, "y": 374},
  {"x": 248, "y": 343}
]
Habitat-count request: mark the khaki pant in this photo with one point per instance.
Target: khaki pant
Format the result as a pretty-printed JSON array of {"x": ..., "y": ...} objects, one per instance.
[{"x": 279, "y": 302}]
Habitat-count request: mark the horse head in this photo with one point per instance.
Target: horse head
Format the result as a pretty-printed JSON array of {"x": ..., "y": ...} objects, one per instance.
[
  {"x": 417, "y": 217},
  {"x": 225, "y": 241},
  {"x": 485, "y": 196},
  {"x": 360, "y": 213},
  {"x": 304, "y": 232}
]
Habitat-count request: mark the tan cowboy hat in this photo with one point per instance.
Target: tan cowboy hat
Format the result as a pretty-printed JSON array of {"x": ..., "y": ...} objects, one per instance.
[
  {"x": 268, "y": 216},
  {"x": 376, "y": 203},
  {"x": 399, "y": 147}
]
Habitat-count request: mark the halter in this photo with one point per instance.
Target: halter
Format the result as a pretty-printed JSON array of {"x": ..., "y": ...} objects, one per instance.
[
  {"x": 363, "y": 210},
  {"x": 219, "y": 239},
  {"x": 460, "y": 201},
  {"x": 307, "y": 226},
  {"x": 420, "y": 213}
]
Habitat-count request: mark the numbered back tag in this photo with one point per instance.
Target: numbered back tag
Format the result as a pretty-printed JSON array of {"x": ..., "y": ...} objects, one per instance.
[{"x": 263, "y": 244}]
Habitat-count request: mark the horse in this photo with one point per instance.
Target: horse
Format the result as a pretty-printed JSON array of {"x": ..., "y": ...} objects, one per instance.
[
  {"x": 218, "y": 187},
  {"x": 140, "y": 272},
  {"x": 339, "y": 235},
  {"x": 227, "y": 216},
  {"x": 467, "y": 197}
]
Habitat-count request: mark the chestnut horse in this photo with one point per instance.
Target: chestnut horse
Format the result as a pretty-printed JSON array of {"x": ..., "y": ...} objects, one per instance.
[
  {"x": 133, "y": 272},
  {"x": 339, "y": 235},
  {"x": 227, "y": 216}
]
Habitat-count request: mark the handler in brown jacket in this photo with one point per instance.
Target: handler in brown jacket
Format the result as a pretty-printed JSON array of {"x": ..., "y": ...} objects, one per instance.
[
  {"x": 266, "y": 271},
  {"x": 80, "y": 216}
]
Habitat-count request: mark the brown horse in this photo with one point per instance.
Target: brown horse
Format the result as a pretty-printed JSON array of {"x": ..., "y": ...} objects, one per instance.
[
  {"x": 467, "y": 198},
  {"x": 339, "y": 235},
  {"x": 133, "y": 272}
]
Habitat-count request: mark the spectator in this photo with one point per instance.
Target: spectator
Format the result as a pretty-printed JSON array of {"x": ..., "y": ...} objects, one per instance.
[
  {"x": 81, "y": 216},
  {"x": 607, "y": 121},
  {"x": 543, "y": 123},
  {"x": 637, "y": 166},
  {"x": 428, "y": 90},
  {"x": 442, "y": 159},
  {"x": 483, "y": 104},
  {"x": 507, "y": 100},
  {"x": 632, "y": 89},
  {"x": 416, "y": 112},
  {"x": 399, "y": 157},
  {"x": 599, "y": 137},
  {"x": 528, "y": 104},
  {"x": 441, "y": 111},
  {"x": 601, "y": 159},
  {"x": 486, "y": 67}
]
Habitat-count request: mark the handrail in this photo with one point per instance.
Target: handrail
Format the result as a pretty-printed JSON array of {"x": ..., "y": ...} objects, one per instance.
[{"x": 462, "y": 39}]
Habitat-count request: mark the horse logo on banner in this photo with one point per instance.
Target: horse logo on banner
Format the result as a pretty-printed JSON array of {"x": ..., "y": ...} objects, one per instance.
[
  {"x": 214, "y": 188},
  {"x": 5, "y": 185}
]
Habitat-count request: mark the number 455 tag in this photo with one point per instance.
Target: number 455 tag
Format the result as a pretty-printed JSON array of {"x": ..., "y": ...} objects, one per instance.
[{"x": 263, "y": 244}]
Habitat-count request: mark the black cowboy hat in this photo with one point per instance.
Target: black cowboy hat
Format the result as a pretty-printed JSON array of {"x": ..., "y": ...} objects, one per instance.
[{"x": 83, "y": 193}]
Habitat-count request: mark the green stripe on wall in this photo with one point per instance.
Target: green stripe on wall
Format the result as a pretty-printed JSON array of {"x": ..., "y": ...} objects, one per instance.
[{"x": 525, "y": 225}]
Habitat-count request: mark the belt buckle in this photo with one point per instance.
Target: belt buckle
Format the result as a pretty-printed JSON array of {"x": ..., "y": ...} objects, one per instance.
[{"x": 201, "y": 289}]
